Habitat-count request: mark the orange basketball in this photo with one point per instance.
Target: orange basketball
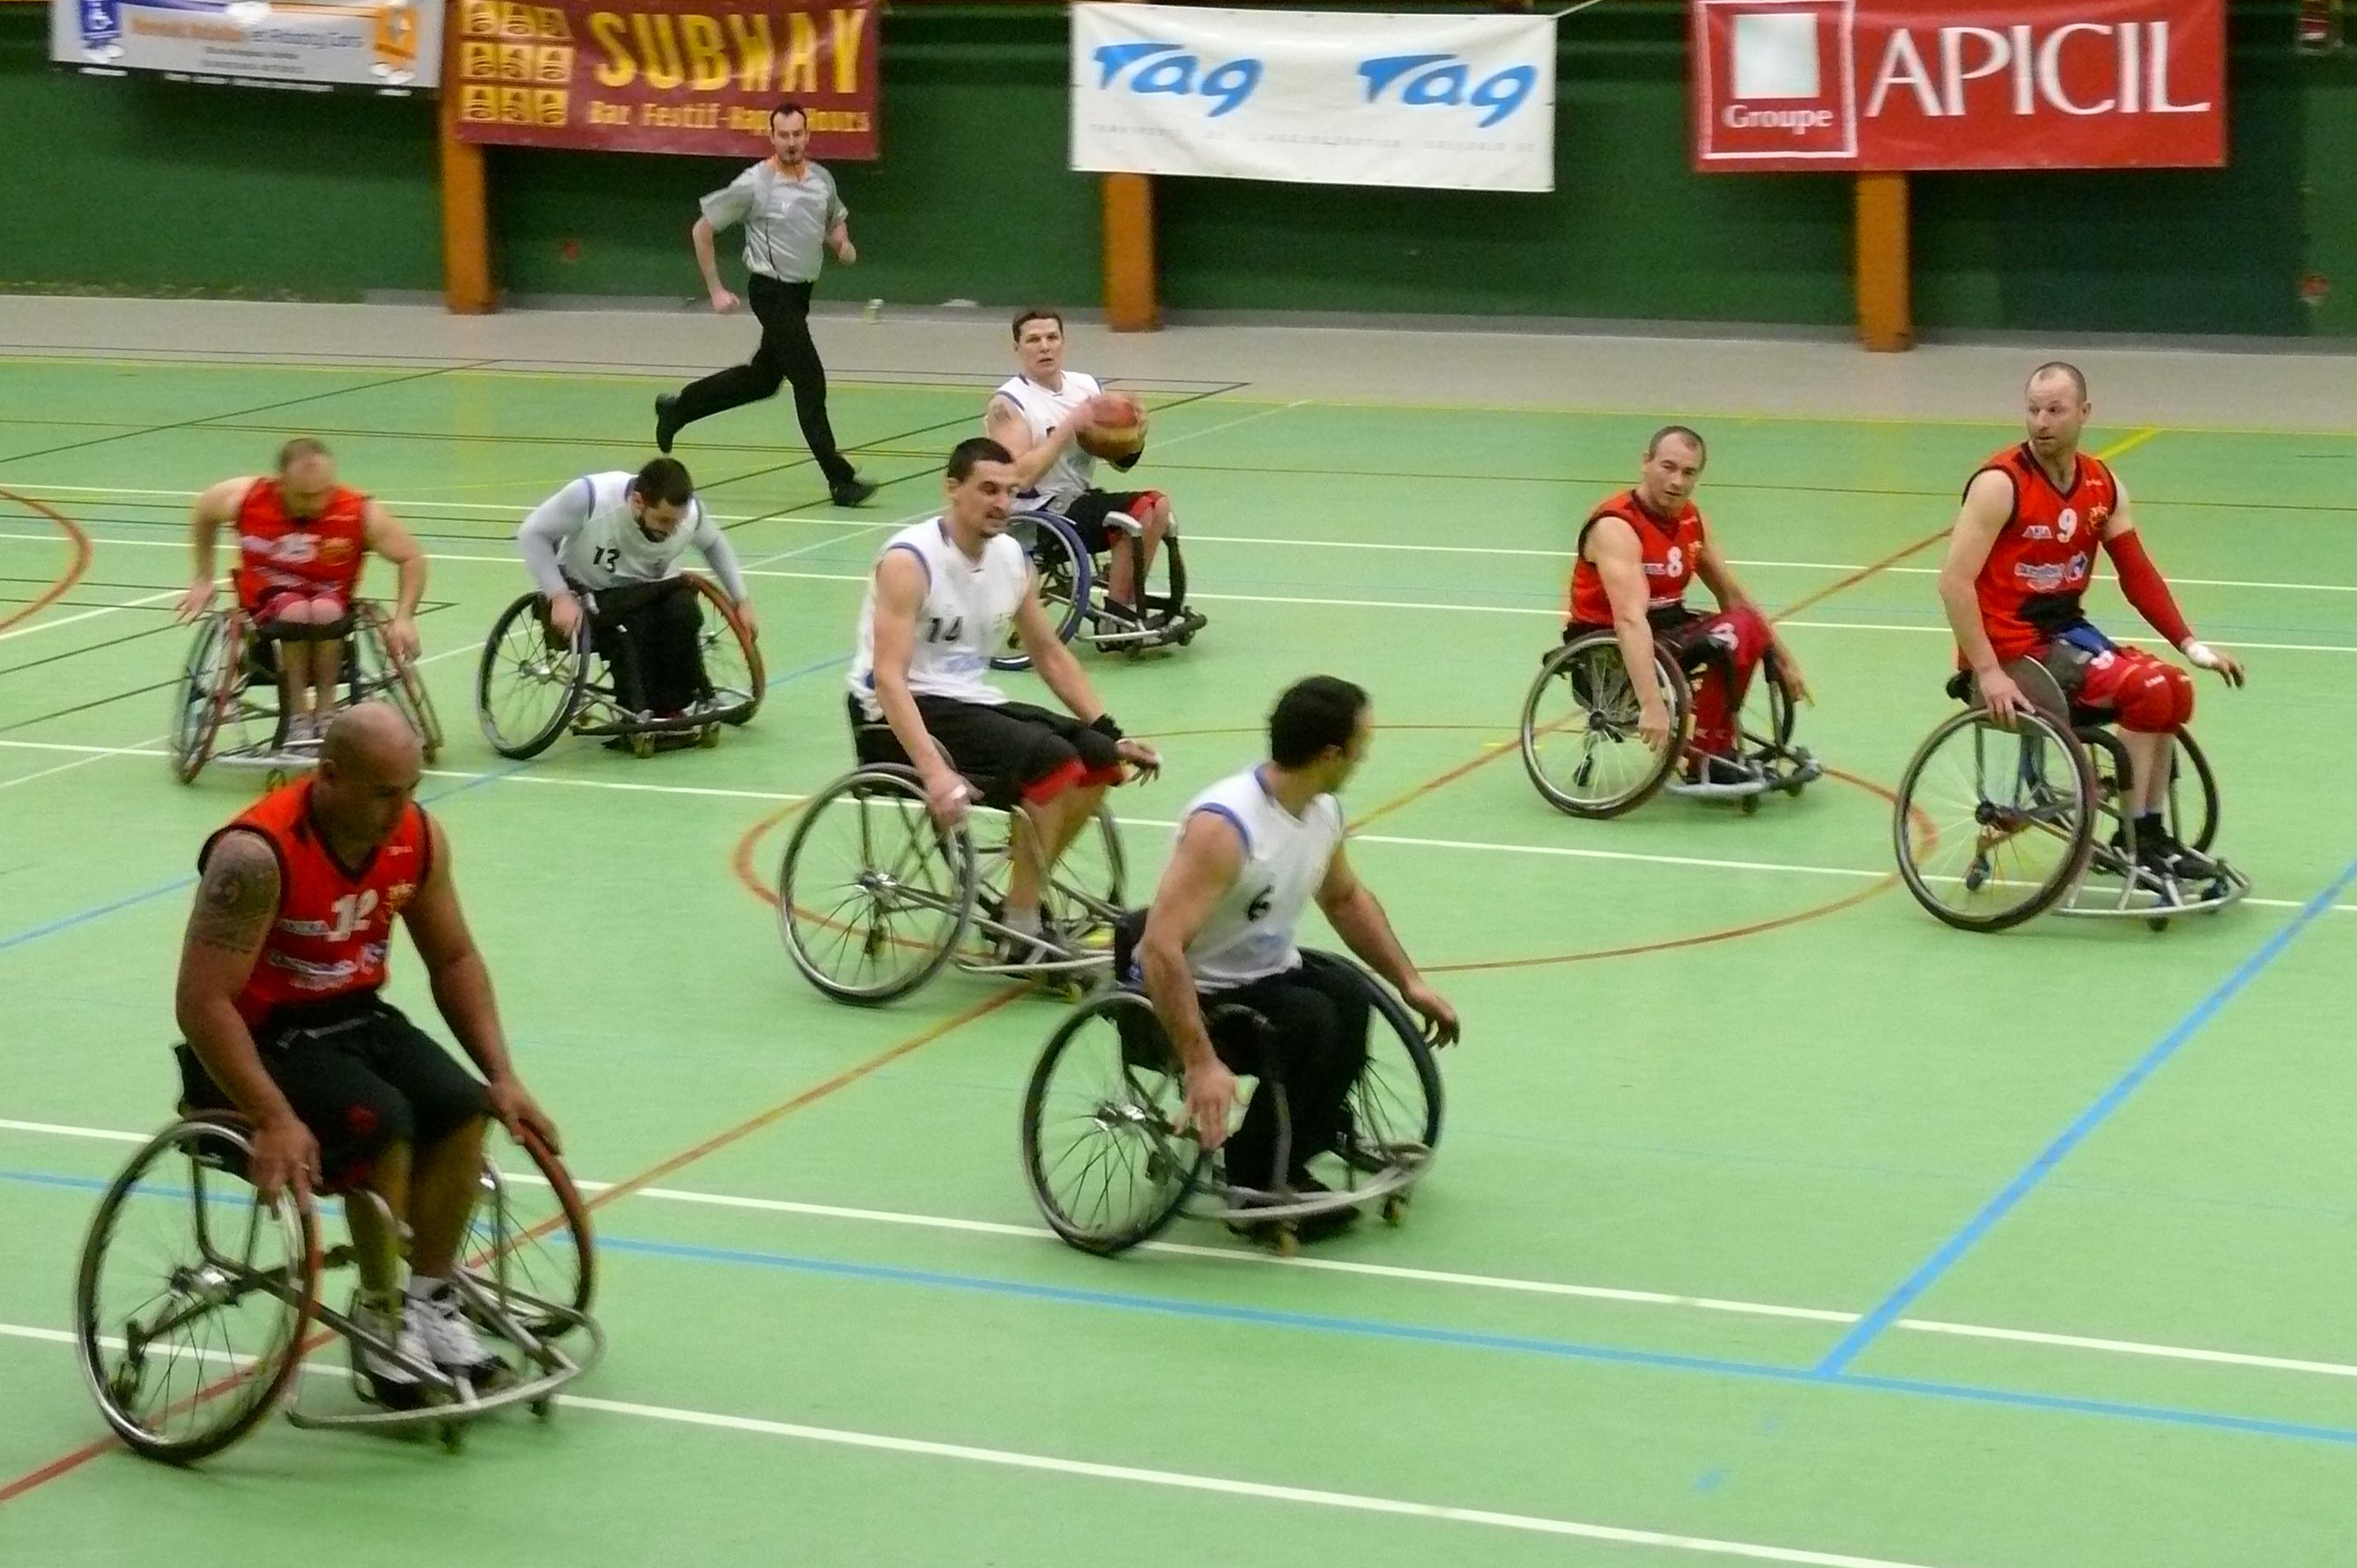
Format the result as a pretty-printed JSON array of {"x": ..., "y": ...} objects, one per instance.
[{"x": 1119, "y": 432}]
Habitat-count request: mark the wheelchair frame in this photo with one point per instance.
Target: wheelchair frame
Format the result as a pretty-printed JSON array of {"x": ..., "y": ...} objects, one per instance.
[
  {"x": 1392, "y": 1143},
  {"x": 950, "y": 875},
  {"x": 1072, "y": 589},
  {"x": 528, "y": 1324},
  {"x": 1764, "y": 726},
  {"x": 216, "y": 696},
  {"x": 2098, "y": 765},
  {"x": 584, "y": 681}
]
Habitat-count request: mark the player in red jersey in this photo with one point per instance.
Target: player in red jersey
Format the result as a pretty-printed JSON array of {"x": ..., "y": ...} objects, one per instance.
[
  {"x": 300, "y": 539},
  {"x": 1637, "y": 553},
  {"x": 277, "y": 994},
  {"x": 2019, "y": 563}
]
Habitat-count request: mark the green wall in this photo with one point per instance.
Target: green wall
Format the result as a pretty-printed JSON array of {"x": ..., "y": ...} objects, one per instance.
[{"x": 155, "y": 187}]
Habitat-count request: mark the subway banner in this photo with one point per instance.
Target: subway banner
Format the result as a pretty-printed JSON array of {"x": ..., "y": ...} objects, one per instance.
[
  {"x": 666, "y": 76},
  {"x": 1955, "y": 84},
  {"x": 391, "y": 46},
  {"x": 1456, "y": 103}
]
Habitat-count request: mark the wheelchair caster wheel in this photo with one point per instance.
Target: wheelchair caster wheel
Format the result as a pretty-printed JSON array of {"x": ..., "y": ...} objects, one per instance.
[
  {"x": 454, "y": 1437},
  {"x": 642, "y": 747},
  {"x": 1286, "y": 1242},
  {"x": 2157, "y": 923},
  {"x": 275, "y": 779},
  {"x": 544, "y": 1407},
  {"x": 1395, "y": 1210},
  {"x": 1750, "y": 805},
  {"x": 708, "y": 736}
]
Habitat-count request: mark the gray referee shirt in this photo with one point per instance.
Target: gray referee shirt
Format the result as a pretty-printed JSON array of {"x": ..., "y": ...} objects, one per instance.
[{"x": 786, "y": 221}]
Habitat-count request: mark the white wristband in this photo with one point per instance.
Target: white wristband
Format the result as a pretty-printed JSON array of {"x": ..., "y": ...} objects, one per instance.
[{"x": 2198, "y": 652}]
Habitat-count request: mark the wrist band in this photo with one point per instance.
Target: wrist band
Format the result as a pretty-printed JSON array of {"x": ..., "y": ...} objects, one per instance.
[{"x": 1103, "y": 724}]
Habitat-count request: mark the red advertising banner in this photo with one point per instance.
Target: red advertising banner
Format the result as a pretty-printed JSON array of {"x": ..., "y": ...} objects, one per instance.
[
  {"x": 1955, "y": 84},
  {"x": 665, "y": 76}
]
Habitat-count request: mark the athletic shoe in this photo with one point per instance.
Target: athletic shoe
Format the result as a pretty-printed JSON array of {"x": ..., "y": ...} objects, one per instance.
[
  {"x": 1721, "y": 770},
  {"x": 853, "y": 491},
  {"x": 441, "y": 1319},
  {"x": 1309, "y": 1228},
  {"x": 666, "y": 420},
  {"x": 392, "y": 1385}
]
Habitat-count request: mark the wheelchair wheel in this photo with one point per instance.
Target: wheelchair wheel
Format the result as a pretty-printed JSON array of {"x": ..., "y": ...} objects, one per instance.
[
  {"x": 192, "y": 1299},
  {"x": 874, "y": 895},
  {"x": 1065, "y": 576},
  {"x": 1081, "y": 899},
  {"x": 208, "y": 685},
  {"x": 528, "y": 1244},
  {"x": 374, "y": 672},
  {"x": 530, "y": 681},
  {"x": 1580, "y": 740},
  {"x": 2190, "y": 804},
  {"x": 1099, "y": 1152},
  {"x": 1396, "y": 1105},
  {"x": 1161, "y": 594},
  {"x": 732, "y": 659},
  {"x": 1766, "y": 719},
  {"x": 2009, "y": 819}
]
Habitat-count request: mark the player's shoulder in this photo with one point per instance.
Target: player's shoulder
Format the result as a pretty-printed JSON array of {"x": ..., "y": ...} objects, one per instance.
[{"x": 1084, "y": 383}]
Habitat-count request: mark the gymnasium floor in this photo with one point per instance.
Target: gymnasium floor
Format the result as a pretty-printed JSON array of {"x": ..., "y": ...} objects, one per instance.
[{"x": 1773, "y": 1221}]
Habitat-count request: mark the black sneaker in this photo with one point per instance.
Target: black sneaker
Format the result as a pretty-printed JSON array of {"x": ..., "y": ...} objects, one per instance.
[
  {"x": 1309, "y": 1228},
  {"x": 853, "y": 491},
  {"x": 666, "y": 420}
]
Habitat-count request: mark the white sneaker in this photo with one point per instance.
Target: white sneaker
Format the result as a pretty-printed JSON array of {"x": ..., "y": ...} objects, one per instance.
[
  {"x": 441, "y": 1317},
  {"x": 390, "y": 1384}
]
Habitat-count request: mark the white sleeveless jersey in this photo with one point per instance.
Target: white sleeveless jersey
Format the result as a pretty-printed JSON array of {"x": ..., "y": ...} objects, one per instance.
[
  {"x": 1250, "y": 934},
  {"x": 610, "y": 549},
  {"x": 968, "y": 606},
  {"x": 1046, "y": 412}
]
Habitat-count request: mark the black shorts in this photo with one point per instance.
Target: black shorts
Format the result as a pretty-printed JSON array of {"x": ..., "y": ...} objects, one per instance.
[
  {"x": 1090, "y": 509},
  {"x": 361, "y": 1076},
  {"x": 1008, "y": 752}
]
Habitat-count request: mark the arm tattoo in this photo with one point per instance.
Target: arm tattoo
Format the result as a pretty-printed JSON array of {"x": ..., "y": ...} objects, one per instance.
[{"x": 238, "y": 897}]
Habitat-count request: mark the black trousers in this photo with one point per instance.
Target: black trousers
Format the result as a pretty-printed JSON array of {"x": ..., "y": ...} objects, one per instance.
[
  {"x": 650, "y": 636},
  {"x": 786, "y": 354},
  {"x": 1315, "y": 1047}
]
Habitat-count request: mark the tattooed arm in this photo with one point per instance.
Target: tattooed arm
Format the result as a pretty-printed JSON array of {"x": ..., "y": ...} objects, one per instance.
[{"x": 237, "y": 898}]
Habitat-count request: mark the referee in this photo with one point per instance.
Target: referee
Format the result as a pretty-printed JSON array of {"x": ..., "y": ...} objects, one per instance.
[{"x": 789, "y": 206}]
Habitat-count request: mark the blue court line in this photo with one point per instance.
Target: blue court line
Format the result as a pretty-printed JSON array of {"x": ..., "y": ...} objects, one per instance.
[
  {"x": 1876, "y": 1323},
  {"x": 1412, "y": 1333}
]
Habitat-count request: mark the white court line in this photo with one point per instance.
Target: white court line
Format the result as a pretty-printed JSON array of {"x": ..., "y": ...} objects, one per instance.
[
  {"x": 1176, "y": 1480},
  {"x": 1253, "y": 1256},
  {"x": 97, "y": 755},
  {"x": 90, "y": 615}
]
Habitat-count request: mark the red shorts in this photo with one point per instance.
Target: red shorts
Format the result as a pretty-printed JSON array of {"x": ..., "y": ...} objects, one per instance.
[{"x": 273, "y": 603}]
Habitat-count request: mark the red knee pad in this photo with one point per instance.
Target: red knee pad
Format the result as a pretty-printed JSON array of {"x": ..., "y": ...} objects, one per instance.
[{"x": 2153, "y": 698}]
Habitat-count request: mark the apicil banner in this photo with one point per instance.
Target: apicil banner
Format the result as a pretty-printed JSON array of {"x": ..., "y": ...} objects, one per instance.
[
  {"x": 666, "y": 76},
  {"x": 1955, "y": 84},
  {"x": 1315, "y": 97},
  {"x": 388, "y": 44}
]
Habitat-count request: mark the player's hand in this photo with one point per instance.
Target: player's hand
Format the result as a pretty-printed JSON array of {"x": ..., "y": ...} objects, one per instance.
[
  {"x": 285, "y": 1157},
  {"x": 1788, "y": 675},
  {"x": 945, "y": 797},
  {"x": 1139, "y": 756},
  {"x": 2229, "y": 667},
  {"x": 565, "y": 616},
  {"x": 401, "y": 640},
  {"x": 512, "y": 1103},
  {"x": 846, "y": 251},
  {"x": 1211, "y": 1100},
  {"x": 745, "y": 618},
  {"x": 193, "y": 603},
  {"x": 1654, "y": 722},
  {"x": 1440, "y": 1025},
  {"x": 722, "y": 302},
  {"x": 2002, "y": 696}
]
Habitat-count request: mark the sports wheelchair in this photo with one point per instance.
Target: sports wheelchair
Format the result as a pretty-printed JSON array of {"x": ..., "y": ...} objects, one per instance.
[
  {"x": 196, "y": 1306},
  {"x": 1109, "y": 1169},
  {"x": 227, "y": 707},
  {"x": 875, "y": 896},
  {"x": 1072, "y": 588},
  {"x": 532, "y": 685},
  {"x": 1583, "y": 749},
  {"x": 1995, "y": 823}
]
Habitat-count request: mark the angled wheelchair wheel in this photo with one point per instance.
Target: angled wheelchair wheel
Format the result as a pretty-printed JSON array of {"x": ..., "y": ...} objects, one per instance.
[
  {"x": 530, "y": 681},
  {"x": 1581, "y": 744},
  {"x": 1081, "y": 898},
  {"x": 1396, "y": 1105},
  {"x": 1066, "y": 577},
  {"x": 1767, "y": 720},
  {"x": 374, "y": 672},
  {"x": 1994, "y": 823},
  {"x": 210, "y": 681},
  {"x": 874, "y": 895},
  {"x": 192, "y": 1299},
  {"x": 2192, "y": 796},
  {"x": 528, "y": 1244},
  {"x": 732, "y": 659},
  {"x": 1099, "y": 1150}
]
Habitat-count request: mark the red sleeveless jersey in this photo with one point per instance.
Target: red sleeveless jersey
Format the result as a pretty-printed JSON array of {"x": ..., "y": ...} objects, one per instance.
[
  {"x": 277, "y": 551},
  {"x": 334, "y": 927},
  {"x": 2030, "y": 585},
  {"x": 1669, "y": 547}
]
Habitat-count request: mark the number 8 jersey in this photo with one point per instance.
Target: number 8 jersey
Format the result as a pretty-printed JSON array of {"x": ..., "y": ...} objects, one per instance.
[
  {"x": 333, "y": 926},
  {"x": 961, "y": 624}
]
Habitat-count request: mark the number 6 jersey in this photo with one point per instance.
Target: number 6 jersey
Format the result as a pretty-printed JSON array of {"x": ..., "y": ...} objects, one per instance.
[
  {"x": 961, "y": 624},
  {"x": 333, "y": 926},
  {"x": 1249, "y": 934}
]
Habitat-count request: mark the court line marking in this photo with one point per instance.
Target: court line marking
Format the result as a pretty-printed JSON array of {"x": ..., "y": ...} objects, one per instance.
[
  {"x": 1953, "y": 1250},
  {"x": 1177, "y": 1480},
  {"x": 1501, "y": 1282},
  {"x": 158, "y": 598},
  {"x": 78, "y": 553}
]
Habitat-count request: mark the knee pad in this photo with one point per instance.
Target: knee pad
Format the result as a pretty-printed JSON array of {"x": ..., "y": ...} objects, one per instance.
[{"x": 2153, "y": 698}]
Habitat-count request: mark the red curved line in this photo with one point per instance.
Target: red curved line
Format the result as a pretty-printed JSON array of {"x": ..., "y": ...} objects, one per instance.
[{"x": 80, "y": 541}]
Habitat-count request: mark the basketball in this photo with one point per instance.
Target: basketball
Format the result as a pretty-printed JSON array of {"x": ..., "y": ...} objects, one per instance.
[{"x": 1118, "y": 432}]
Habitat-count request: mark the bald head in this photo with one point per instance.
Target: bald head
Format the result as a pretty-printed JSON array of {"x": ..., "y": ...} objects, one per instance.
[
  {"x": 370, "y": 763},
  {"x": 371, "y": 739}
]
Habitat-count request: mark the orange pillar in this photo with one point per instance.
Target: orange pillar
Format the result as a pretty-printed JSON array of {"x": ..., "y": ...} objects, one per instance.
[
  {"x": 1130, "y": 302},
  {"x": 1886, "y": 316},
  {"x": 466, "y": 203}
]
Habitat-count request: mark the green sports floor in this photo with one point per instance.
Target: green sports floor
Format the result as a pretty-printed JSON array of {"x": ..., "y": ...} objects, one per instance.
[{"x": 1773, "y": 1221}]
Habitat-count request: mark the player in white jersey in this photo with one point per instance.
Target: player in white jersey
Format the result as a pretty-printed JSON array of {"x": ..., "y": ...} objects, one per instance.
[
  {"x": 941, "y": 597},
  {"x": 1038, "y": 416},
  {"x": 616, "y": 539},
  {"x": 1254, "y": 850}
]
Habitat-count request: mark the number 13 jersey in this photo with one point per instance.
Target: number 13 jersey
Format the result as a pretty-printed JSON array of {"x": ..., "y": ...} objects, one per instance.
[{"x": 962, "y": 621}]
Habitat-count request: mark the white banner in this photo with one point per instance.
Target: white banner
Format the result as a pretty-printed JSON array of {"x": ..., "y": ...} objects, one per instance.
[
  {"x": 1314, "y": 96},
  {"x": 388, "y": 44}
]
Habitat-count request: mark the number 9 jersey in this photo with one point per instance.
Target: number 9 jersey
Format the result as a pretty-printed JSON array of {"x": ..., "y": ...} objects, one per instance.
[{"x": 333, "y": 926}]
